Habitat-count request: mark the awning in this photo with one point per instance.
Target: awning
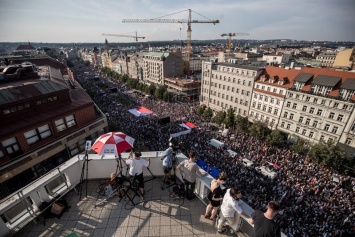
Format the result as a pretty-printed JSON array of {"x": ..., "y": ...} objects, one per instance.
[
  {"x": 188, "y": 125},
  {"x": 216, "y": 143},
  {"x": 141, "y": 111}
]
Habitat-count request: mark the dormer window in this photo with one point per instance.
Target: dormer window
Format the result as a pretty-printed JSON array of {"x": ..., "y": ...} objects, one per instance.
[
  {"x": 272, "y": 80},
  {"x": 281, "y": 83},
  {"x": 263, "y": 79}
]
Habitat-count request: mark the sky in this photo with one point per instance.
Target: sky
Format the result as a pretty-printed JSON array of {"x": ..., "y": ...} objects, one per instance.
[{"x": 74, "y": 21}]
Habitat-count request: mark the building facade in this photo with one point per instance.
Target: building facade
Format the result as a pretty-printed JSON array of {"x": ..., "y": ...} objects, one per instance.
[
  {"x": 269, "y": 94},
  {"x": 345, "y": 59},
  {"x": 226, "y": 85},
  {"x": 327, "y": 59},
  {"x": 44, "y": 121},
  {"x": 319, "y": 105},
  {"x": 158, "y": 65}
]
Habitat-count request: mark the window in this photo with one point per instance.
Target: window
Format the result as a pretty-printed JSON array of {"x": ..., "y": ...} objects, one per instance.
[
  {"x": 326, "y": 127},
  {"x": 283, "y": 124},
  {"x": 278, "y": 102},
  {"x": 323, "y": 102},
  {"x": 345, "y": 107},
  {"x": 264, "y": 107},
  {"x": 297, "y": 129},
  {"x": 315, "y": 123},
  {"x": 335, "y": 129},
  {"x": 321, "y": 138},
  {"x": 285, "y": 114},
  {"x": 232, "y": 98},
  {"x": 308, "y": 121},
  {"x": 255, "y": 96},
  {"x": 331, "y": 115},
  {"x": 311, "y": 134},
  {"x": 304, "y": 132},
  {"x": 336, "y": 104},
  {"x": 340, "y": 118},
  {"x": 269, "y": 109},
  {"x": 307, "y": 98},
  {"x": 272, "y": 100},
  {"x": 348, "y": 141},
  {"x": 315, "y": 100},
  {"x": 294, "y": 106},
  {"x": 37, "y": 134},
  {"x": 232, "y": 89},
  {"x": 291, "y": 116},
  {"x": 288, "y": 126},
  {"x": 319, "y": 112},
  {"x": 304, "y": 108},
  {"x": 11, "y": 146},
  {"x": 301, "y": 119},
  {"x": 266, "y": 98},
  {"x": 311, "y": 110},
  {"x": 259, "y": 105},
  {"x": 276, "y": 111}
]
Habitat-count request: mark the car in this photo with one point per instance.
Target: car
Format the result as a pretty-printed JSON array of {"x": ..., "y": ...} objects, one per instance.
[
  {"x": 247, "y": 163},
  {"x": 267, "y": 171}
]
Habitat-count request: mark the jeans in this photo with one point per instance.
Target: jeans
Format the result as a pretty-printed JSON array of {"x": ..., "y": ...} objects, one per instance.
[{"x": 189, "y": 189}]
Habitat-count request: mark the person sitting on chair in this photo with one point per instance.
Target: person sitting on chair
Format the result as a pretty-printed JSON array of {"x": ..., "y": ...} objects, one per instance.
[
  {"x": 136, "y": 168},
  {"x": 190, "y": 168},
  {"x": 116, "y": 183},
  {"x": 215, "y": 196}
]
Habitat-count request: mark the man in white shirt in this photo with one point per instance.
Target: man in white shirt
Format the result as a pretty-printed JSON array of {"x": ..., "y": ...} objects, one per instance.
[
  {"x": 229, "y": 207},
  {"x": 136, "y": 168},
  {"x": 167, "y": 163}
]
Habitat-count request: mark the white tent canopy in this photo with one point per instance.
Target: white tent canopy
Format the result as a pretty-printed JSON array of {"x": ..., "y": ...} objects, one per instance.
[{"x": 216, "y": 143}]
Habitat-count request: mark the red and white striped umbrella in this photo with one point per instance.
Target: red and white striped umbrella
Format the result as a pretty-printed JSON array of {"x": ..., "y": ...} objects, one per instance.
[{"x": 112, "y": 143}]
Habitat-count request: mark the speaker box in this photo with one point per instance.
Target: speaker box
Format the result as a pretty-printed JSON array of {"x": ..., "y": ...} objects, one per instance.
[{"x": 163, "y": 121}]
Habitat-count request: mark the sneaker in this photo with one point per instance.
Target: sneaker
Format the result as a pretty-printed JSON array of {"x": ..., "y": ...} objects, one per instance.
[{"x": 222, "y": 231}]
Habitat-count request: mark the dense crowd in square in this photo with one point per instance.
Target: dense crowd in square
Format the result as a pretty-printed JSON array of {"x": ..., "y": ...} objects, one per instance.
[{"x": 312, "y": 203}]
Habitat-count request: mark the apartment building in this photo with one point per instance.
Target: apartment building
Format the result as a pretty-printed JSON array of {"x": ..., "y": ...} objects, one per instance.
[
  {"x": 226, "y": 85},
  {"x": 276, "y": 58},
  {"x": 326, "y": 58},
  {"x": 345, "y": 59},
  {"x": 158, "y": 65},
  {"x": 184, "y": 88},
  {"x": 135, "y": 65},
  {"x": 45, "y": 119},
  {"x": 269, "y": 94},
  {"x": 319, "y": 105}
]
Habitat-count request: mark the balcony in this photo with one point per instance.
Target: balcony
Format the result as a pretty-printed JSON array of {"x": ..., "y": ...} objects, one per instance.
[{"x": 158, "y": 215}]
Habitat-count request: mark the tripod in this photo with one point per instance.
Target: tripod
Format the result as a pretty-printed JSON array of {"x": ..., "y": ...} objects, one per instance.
[{"x": 85, "y": 164}]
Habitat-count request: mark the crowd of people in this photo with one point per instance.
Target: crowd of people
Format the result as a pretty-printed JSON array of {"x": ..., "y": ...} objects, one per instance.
[{"x": 312, "y": 202}]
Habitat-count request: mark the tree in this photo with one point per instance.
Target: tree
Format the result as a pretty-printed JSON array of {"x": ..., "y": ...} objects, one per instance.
[
  {"x": 159, "y": 92},
  {"x": 327, "y": 154},
  {"x": 200, "y": 110},
  {"x": 220, "y": 117},
  {"x": 208, "y": 113},
  {"x": 167, "y": 96},
  {"x": 152, "y": 89},
  {"x": 259, "y": 130},
  {"x": 242, "y": 123},
  {"x": 275, "y": 138},
  {"x": 229, "y": 120},
  {"x": 300, "y": 147}
]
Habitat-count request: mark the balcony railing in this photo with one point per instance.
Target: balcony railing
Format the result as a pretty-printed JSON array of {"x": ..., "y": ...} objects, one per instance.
[{"x": 22, "y": 207}]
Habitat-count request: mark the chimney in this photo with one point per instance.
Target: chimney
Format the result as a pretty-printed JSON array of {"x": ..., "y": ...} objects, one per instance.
[{"x": 292, "y": 65}]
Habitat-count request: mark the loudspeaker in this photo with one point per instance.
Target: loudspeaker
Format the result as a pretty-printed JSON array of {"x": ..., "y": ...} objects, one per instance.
[{"x": 163, "y": 121}]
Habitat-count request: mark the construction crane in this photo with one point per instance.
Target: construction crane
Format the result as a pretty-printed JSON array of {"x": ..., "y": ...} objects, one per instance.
[
  {"x": 188, "y": 21},
  {"x": 136, "y": 37},
  {"x": 230, "y": 35}
]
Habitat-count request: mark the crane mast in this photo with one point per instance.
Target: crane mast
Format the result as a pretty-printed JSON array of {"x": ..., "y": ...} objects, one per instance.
[
  {"x": 230, "y": 35},
  {"x": 189, "y": 30}
]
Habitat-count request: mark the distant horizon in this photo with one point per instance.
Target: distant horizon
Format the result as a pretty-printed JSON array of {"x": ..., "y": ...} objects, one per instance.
[{"x": 84, "y": 21}]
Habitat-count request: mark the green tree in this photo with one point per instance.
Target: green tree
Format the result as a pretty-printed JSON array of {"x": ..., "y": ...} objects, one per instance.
[
  {"x": 159, "y": 92},
  {"x": 327, "y": 154},
  {"x": 242, "y": 123},
  {"x": 208, "y": 113},
  {"x": 200, "y": 110},
  {"x": 220, "y": 117},
  {"x": 167, "y": 96},
  {"x": 152, "y": 89},
  {"x": 300, "y": 147},
  {"x": 259, "y": 130},
  {"x": 229, "y": 120},
  {"x": 275, "y": 138}
]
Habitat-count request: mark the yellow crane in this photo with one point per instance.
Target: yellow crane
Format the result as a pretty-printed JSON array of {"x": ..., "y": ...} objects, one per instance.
[
  {"x": 188, "y": 21},
  {"x": 136, "y": 37},
  {"x": 230, "y": 35}
]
